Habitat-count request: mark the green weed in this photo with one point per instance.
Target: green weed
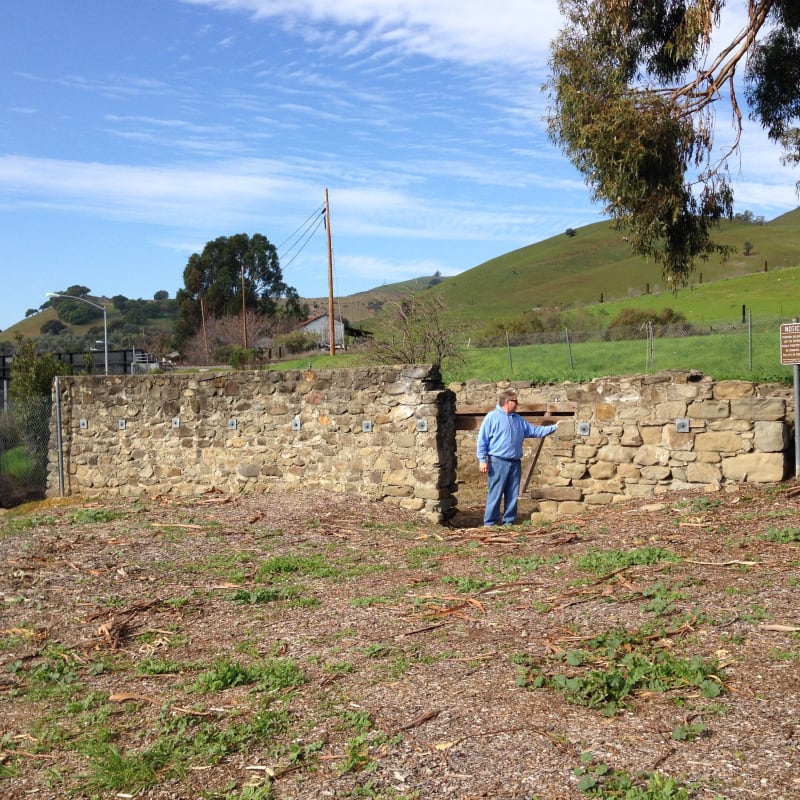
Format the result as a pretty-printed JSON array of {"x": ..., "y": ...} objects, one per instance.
[
  {"x": 688, "y": 731},
  {"x": 781, "y": 535},
  {"x": 12, "y": 524},
  {"x": 273, "y": 675},
  {"x": 427, "y": 556},
  {"x": 157, "y": 666},
  {"x": 265, "y": 594},
  {"x": 661, "y": 599},
  {"x": 466, "y": 585},
  {"x": 698, "y": 505},
  {"x": 313, "y": 566},
  {"x": 603, "y": 562},
  {"x": 612, "y": 667},
  {"x": 90, "y": 516},
  {"x": 368, "y": 602},
  {"x": 596, "y": 779}
]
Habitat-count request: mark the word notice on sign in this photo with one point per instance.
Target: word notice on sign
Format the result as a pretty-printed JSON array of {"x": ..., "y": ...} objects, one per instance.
[{"x": 790, "y": 343}]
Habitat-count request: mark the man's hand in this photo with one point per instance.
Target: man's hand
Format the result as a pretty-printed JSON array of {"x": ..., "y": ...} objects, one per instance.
[{"x": 484, "y": 467}]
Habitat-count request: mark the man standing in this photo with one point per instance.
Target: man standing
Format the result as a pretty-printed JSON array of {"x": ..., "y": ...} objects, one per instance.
[{"x": 500, "y": 455}]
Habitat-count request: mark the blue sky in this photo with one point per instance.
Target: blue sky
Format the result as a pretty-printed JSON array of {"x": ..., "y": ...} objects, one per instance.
[{"x": 131, "y": 133}]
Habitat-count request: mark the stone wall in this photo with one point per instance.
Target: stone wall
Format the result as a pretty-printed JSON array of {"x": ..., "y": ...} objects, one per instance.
[
  {"x": 639, "y": 436},
  {"x": 390, "y": 433},
  {"x": 384, "y": 432}
]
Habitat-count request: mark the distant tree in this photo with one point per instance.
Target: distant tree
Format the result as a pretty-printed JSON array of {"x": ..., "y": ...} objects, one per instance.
[
  {"x": 76, "y": 312},
  {"x": 416, "y": 329},
  {"x": 120, "y": 302},
  {"x": 134, "y": 313},
  {"x": 571, "y": 232},
  {"x": 233, "y": 274},
  {"x": 77, "y": 291},
  {"x": 162, "y": 294},
  {"x": 748, "y": 248},
  {"x": 633, "y": 88},
  {"x": 30, "y": 312},
  {"x": 53, "y": 326}
]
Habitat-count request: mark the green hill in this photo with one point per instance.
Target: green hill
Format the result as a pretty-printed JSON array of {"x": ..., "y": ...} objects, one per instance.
[{"x": 596, "y": 266}]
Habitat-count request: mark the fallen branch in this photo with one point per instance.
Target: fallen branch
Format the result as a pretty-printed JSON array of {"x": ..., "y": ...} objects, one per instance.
[
  {"x": 781, "y": 628},
  {"x": 124, "y": 697}
]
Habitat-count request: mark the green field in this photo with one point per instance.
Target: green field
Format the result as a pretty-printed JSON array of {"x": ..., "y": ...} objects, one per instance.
[{"x": 737, "y": 355}]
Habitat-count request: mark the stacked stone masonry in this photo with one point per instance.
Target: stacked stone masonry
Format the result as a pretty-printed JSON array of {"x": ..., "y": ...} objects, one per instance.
[
  {"x": 645, "y": 435},
  {"x": 390, "y": 433},
  {"x": 384, "y": 432}
]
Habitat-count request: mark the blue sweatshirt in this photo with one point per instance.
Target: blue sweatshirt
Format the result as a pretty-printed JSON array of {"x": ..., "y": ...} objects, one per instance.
[{"x": 502, "y": 434}]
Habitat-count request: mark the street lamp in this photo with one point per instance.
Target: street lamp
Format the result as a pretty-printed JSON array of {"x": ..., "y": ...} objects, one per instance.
[{"x": 96, "y": 305}]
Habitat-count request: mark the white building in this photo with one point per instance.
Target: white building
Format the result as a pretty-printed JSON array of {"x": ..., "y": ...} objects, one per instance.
[{"x": 321, "y": 327}]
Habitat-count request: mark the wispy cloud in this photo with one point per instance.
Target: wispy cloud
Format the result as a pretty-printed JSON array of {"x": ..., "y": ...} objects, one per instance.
[{"x": 468, "y": 32}]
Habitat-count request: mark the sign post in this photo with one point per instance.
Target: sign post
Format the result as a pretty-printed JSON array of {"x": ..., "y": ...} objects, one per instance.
[{"x": 790, "y": 354}]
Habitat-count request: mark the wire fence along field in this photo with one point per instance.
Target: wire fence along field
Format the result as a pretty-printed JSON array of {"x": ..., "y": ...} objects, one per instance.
[
  {"x": 747, "y": 350},
  {"x": 24, "y": 441}
]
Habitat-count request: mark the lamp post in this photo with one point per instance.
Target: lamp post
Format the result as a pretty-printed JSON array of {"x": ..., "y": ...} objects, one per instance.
[{"x": 105, "y": 319}]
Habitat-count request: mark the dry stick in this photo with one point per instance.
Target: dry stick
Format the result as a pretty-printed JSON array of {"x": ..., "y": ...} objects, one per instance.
[
  {"x": 417, "y": 721},
  {"x": 549, "y": 736},
  {"x": 426, "y": 628}
]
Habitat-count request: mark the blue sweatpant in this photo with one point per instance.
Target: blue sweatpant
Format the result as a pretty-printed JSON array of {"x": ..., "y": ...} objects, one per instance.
[{"x": 504, "y": 477}]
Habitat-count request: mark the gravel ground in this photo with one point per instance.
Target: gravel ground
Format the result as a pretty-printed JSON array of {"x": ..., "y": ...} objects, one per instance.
[{"x": 422, "y": 661}]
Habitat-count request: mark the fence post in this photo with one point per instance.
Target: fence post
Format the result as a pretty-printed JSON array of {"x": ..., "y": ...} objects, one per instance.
[
  {"x": 569, "y": 350},
  {"x": 59, "y": 443}
]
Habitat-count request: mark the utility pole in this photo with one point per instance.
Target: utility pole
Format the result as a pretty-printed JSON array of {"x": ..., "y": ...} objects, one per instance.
[
  {"x": 244, "y": 311},
  {"x": 331, "y": 321}
]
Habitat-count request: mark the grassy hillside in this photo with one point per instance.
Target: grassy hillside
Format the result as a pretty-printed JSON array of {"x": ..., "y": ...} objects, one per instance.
[{"x": 577, "y": 271}]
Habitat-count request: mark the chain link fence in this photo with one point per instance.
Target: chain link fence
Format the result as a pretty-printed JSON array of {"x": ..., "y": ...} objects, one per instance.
[
  {"x": 738, "y": 344},
  {"x": 24, "y": 443},
  {"x": 575, "y": 334}
]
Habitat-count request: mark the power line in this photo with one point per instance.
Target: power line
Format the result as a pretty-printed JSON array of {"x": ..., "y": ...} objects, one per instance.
[
  {"x": 305, "y": 241},
  {"x": 301, "y": 234}
]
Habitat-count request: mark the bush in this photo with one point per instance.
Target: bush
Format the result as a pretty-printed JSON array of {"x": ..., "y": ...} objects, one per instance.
[
  {"x": 244, "y": 359},
  {"x": 630, "y": 323},
  {"x": 297, "y": 342}
]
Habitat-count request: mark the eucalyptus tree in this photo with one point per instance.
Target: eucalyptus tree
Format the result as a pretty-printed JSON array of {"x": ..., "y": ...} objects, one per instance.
[
  {"x": 634, "y": 88},
  {"x": 233, "y": 275}
]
